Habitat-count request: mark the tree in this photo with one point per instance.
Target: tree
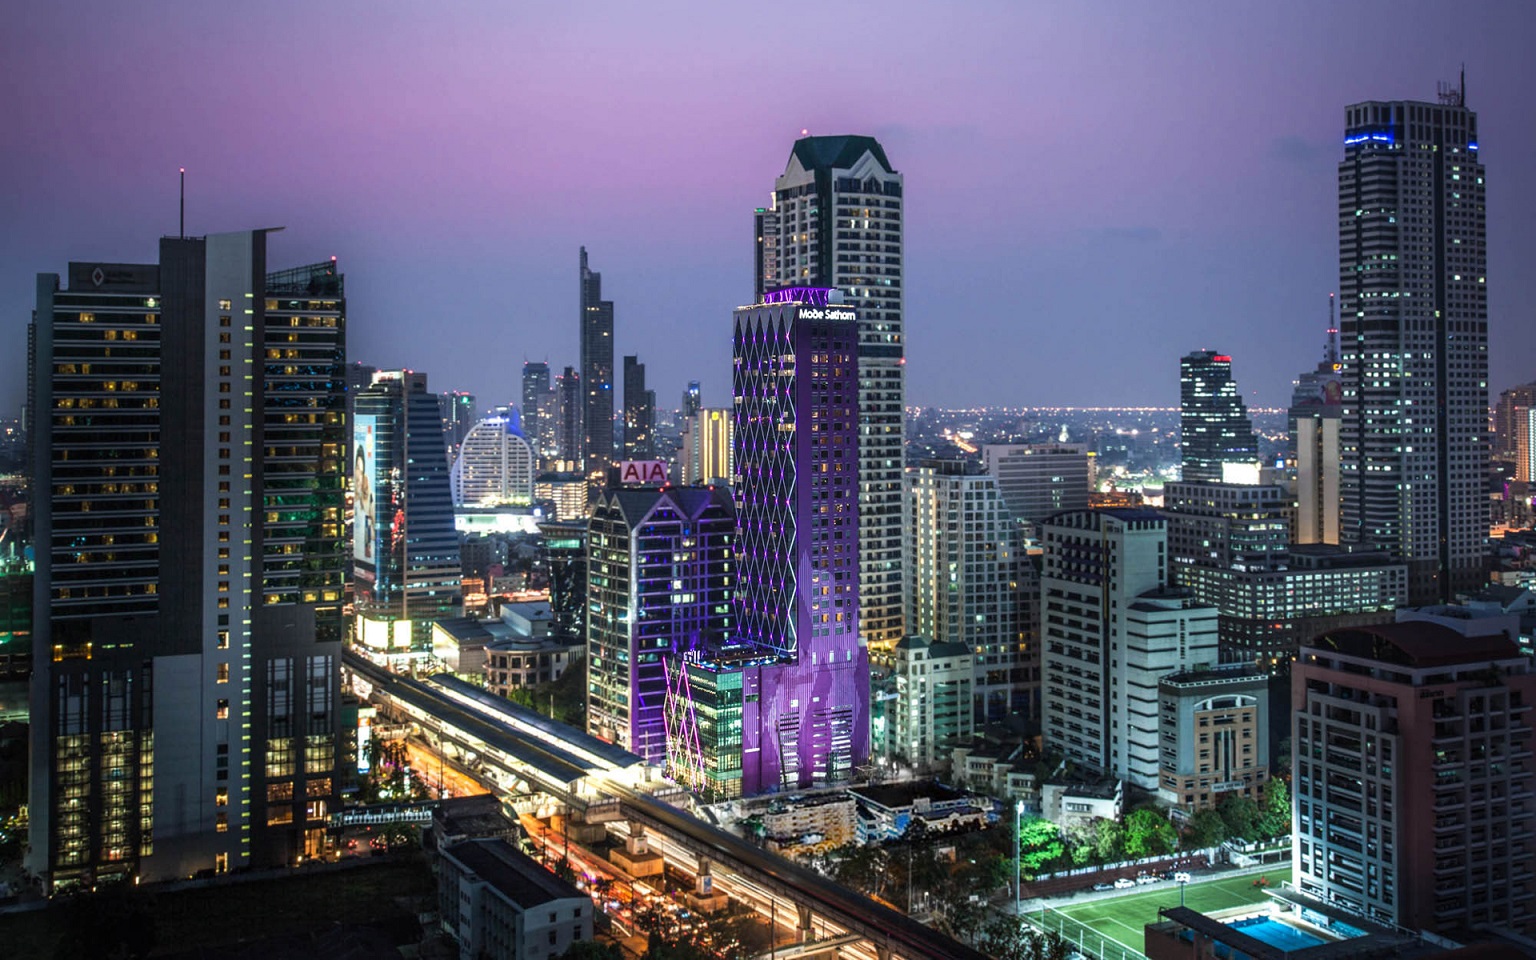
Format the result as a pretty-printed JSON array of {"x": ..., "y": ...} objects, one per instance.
[
  {"x": 1039, "y": 845},
  {"x": 1206, "y": 829},
  {"x": 1275, "y": 811},
  {"x": 592, "y": 950},
  {"x": 1148, "y": 833},
  {"x": 1109, "y": 840},
  {"x": 1241, "y": 816}
]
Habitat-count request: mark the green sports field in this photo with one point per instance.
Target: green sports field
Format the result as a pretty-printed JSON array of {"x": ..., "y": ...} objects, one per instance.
[{"x": 1106, "y": 925}]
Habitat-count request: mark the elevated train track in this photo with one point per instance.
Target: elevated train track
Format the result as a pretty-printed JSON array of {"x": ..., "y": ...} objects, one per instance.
[{"x": 523, "y": 747}]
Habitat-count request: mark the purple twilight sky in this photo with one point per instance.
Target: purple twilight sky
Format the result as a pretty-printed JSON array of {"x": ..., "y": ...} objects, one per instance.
[{"x": 1092, "y": 189}]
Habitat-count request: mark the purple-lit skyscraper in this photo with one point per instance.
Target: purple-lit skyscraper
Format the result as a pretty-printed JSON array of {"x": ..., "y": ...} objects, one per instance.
[{"x": 803, "y": 687}]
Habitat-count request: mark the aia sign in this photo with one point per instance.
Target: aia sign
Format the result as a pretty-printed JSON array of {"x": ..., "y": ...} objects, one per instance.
[{"x": 646, "y": 472}]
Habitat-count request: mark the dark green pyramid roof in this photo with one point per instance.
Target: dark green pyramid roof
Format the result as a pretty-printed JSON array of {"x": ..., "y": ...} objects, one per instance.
[{"x": 838, "y": 153}]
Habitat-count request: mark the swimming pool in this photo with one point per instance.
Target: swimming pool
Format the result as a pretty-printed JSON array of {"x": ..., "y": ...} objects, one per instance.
[{"x": 1276, "y": 934}]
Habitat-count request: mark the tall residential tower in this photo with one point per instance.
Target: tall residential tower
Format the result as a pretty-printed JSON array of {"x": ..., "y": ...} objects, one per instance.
[
  {"x": 596, "y": 373},
  {"x": 836, "y": 221},
  {"x": 191, "y": 563},
  {"x": 1413, "y": 304}
]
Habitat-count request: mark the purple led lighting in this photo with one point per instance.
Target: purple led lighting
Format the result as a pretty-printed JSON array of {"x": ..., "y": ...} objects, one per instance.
[{"x": 811, "y": 296}]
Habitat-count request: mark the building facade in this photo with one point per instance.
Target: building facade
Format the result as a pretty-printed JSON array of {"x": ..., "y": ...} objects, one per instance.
[
  {"x": 962, "y": 555},
  {"x": 1215, "y": 432},
  {"x": 836, "y": 222},
  {"x": 596, "y": 384},
  {"x": 190, "y": 563},
  {"x": 495, "y": 465},
  {"x": 933, "y": 712},
  {"x": 539, "y": 408},
  {"x": 660, "y": 578},
  {"x": 1213, "y": 736},
  {"x": 1111, "y": 628},
  {"x": 707, "y": 454},
  {"x": 570, "y": 436},
  {"x": 1413, "y": 300},
  {"x": 406, "y": 569},
  {"x": 798, "y": 455},
  {"x": 1039, "y": 479},
  {"x": 639, "y": 413},
  {"x": 500, "y": 904},
  {"x": 1413, "y": 776}
]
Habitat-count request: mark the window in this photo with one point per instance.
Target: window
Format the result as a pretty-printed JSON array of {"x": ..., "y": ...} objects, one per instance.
[
  {"x": 222, "y": 674},
  {"x": 221, "y": 797},
  {"x": 223, "y": 710}
]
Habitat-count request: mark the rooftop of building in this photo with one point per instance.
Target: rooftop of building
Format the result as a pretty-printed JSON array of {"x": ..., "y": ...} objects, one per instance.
[
  {"x": 465, "y": 630},
  {"x": 634, "y": 503},
  {"x": 472, "y": 817},
  {"x": 1105, "y": 788},
  {"x": 894, "y": 796},
  {"x": 529, "y": 610},
  {"x": 1237, "y": 673},
  {"x": 1336, "y": 555},
  {"x": 1415, "y": 643},
  {"x": 837, "y": 153},
  {"x": 515, "y": 875},
  {"x": 934, "y": 650}
]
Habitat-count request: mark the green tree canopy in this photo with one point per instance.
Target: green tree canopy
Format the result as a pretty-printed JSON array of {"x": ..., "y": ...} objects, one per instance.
[
  {"x": 1148, "y": 833},
  {"x": 1241, "y": 816},
  {"x": 1275, "y": 811},
  {"x": 1206, "y": 829},
  {"x": 1039, "y": 845}
]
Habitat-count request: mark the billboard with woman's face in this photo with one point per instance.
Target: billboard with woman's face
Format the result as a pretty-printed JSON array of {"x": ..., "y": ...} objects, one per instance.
[{"x": 365, "y": 506}]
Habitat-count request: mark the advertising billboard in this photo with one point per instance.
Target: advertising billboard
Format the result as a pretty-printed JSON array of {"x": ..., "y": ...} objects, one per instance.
[{"x": 365, "y": 491}]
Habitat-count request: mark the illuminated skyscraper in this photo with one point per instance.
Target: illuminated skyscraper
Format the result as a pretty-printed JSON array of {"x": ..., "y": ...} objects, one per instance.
[
  {"x": 405, "y": 548},
  {"x": 707, "y": 454},
  {"x": 495, "y": 465},
  {"x": 1413, "y": 304},
  {"x": 797, "y": 510},
  {"x": 539, "y": 409},
  {"x": 961, "y": 563},
  {"x": 836, "y": 222},
  {"x": 569, "y": 438},
  {"x": 639, "y": 412},
  {"x": 1215, "y": 431},
  {"x": 660, "y": 578},
  {"x": 596, "y": 373},
  {"x": 693, "y": 400},
  {"x": 190, "y": 567}
]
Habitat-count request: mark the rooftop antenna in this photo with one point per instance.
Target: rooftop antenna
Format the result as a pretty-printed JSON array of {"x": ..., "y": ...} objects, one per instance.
[
  {"x": 181, "y": 224},
  {"x": 1333, "y": 336},
  {"x": 1463, "y": 83}
]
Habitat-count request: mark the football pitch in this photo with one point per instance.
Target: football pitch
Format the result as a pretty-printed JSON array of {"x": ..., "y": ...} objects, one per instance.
[{"x": 1111, "y": 927}]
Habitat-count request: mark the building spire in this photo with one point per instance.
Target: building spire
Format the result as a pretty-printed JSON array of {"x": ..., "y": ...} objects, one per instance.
[{"x": 1331, "y": 351}]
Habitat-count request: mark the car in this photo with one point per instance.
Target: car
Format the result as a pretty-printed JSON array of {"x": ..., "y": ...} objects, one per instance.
[
  {"x": 1101, "y": 886},
  {"x": 1181, "y": 877},
  {"x": 1124, "y": 883},
  {"x": 1147, "y": 878}
]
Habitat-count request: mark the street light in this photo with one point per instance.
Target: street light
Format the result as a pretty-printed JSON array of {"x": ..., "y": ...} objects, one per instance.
[
  {"x": 1018, "y": 889},
  {"x": 1182, "y": 884}
]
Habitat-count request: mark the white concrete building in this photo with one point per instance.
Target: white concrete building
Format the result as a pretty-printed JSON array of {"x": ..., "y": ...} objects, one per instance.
[
  {"x": 501, "y": 905},
  {"x": 933, "y": 701},
  {"x": 1039, "y": 479},
  {"x": 494, "y": 466},
  {"x": 961, "y": 571}
]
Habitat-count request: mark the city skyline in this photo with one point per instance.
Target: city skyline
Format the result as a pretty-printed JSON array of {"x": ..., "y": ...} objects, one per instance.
[{"x": 1126, "y": 181}]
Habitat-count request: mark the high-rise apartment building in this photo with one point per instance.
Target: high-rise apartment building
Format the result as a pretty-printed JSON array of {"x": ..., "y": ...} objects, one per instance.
[
  {"x": 660, "y": 579},
  {"x": 1039, "y": 479},
  {"x": 1215, "y": 433},
  {"x": 190, "y": 563},
  {"x": 1413, "y": 298},
  {"x": 933, "y": 709},
  {"x": 693, "y": 401},
  {"x": 706, "y": 454},
  {"x": 1230, "y": 543},
  {"x": 836, "y": 222},
  {"x": 570, "y": 439},
  {"x": 539, "y": 407},
  {"x": 1512, "y": 428},
  {"x": 1413, "y": 776},
  {"x": 596, "y": 375},
  {"x": 458, "y": 413},
  {"x": 639, "y": 412},
  {"x": 1110, "y": 629},
  {"x": 961, "y": 558},
  {"x": 406, "y": 569},
  {"x": 495, "y": 466},
  {"x": 801, "y": 673}
]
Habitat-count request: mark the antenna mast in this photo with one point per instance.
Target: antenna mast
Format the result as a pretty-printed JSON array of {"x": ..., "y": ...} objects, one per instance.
[
  {"x": 181, "y": 224},
  {"x": 1332, "y": 349}
]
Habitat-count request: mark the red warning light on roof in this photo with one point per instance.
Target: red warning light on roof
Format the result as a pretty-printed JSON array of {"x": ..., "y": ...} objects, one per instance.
[{"x": 1219, "y": 358}]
